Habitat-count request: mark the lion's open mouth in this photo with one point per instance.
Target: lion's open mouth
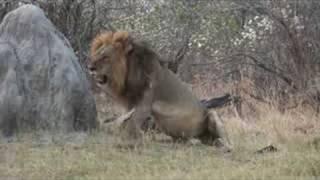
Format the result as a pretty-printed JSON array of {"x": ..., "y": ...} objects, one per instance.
[{"x": 102, "y": 80}]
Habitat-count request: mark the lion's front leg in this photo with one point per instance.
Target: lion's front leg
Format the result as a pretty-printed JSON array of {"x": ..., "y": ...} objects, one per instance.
[{"x": 141, "y": 114}]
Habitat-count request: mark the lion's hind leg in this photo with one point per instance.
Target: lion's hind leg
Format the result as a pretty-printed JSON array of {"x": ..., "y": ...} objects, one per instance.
[{"x": 215, "y": 134}]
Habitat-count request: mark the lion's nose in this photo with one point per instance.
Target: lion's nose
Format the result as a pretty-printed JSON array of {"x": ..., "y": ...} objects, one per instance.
[{"x": 92, "y": 69}]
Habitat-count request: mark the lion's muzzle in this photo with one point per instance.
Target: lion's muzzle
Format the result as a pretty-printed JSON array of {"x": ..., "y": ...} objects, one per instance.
[{"x": 102, "y": 79}]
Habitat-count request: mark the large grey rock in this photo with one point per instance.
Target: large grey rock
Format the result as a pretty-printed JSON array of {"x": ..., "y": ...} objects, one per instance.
[{"x": 42, "y": 85}]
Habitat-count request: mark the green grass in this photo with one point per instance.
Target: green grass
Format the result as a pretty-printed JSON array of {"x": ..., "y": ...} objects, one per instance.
[{"x": 99, "y": 157}]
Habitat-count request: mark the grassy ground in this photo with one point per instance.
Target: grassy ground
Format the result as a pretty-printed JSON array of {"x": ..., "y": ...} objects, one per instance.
[{"x": 98, "y": 157}]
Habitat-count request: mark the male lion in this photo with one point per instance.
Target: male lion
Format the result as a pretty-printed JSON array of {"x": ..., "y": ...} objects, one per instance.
[{"x": 133, "y": 74}]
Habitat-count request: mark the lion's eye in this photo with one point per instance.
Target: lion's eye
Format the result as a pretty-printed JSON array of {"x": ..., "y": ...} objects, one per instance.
[{"x": 106, "y": 57}]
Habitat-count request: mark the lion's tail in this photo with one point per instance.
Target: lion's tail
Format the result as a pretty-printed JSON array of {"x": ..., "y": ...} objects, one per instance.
[{"x": 217, "y": 102}]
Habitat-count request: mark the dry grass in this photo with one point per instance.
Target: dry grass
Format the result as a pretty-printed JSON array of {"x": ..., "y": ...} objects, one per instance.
[
  {"x": 296, "y": 134},
  {"x": 98, "y": 157}
]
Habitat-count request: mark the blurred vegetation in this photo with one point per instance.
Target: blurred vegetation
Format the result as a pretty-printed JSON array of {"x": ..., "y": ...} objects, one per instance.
[
  {"x": 266, "y": 52},
  {"x": 263, "y": 50}
]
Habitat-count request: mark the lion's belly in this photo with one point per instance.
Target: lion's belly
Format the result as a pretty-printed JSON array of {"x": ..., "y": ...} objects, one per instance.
[
  {"x": 183, "y": 128},
  {"x": 178, "y": 121}
]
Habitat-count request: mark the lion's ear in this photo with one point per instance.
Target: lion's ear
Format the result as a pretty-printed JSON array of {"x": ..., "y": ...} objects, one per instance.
[{"x": 122, "y": 40}]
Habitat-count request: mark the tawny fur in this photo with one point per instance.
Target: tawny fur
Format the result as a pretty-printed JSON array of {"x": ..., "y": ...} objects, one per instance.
[
  {"x": 137, "y": 78},
  {"x": 108, "y": 38},
  {"x": 118, "y": 64}
]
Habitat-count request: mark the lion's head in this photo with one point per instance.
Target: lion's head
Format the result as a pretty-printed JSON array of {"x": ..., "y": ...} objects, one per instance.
[
  {"x": 108, "y": 63},
  {"x": 120, "y": 64}
]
